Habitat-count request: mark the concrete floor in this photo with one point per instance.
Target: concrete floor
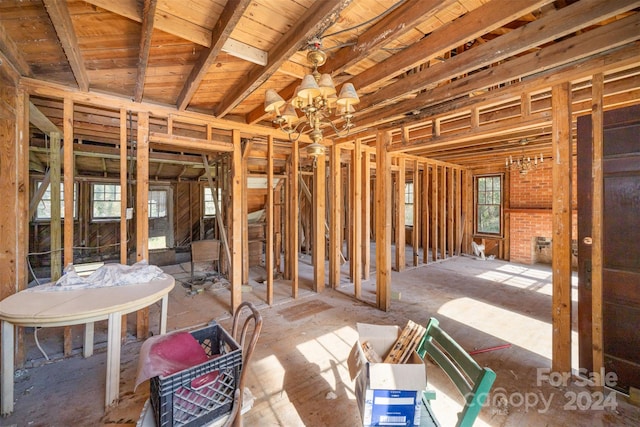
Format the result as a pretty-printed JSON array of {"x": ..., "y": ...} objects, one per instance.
[{"x": 299, "y": 376}]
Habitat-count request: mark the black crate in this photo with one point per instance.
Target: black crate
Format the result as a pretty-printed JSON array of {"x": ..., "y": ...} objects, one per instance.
[{"x": 177, "y": 402}]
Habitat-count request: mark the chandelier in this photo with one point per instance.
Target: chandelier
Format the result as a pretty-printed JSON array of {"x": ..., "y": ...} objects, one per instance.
[
  {"x": 316, "y": 98},
  {"x": 523, "y": 164}
]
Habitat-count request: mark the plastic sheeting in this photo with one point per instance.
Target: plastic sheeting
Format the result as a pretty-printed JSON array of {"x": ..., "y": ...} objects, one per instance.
[{"x": 107, "y": 275}]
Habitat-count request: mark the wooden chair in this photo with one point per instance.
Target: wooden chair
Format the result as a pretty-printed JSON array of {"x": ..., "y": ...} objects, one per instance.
[
  {"x": 472, "y": 381},
  {"x": 247, "y": 324},
  {"x": 205, "y": 251}
]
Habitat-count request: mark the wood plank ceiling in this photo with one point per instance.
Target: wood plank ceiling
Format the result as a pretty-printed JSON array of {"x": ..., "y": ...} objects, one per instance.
[{"x": 432, "y": 71}]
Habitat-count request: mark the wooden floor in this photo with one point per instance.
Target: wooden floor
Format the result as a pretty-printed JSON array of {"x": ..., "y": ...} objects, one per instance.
[{"x": 299, "y": 376}]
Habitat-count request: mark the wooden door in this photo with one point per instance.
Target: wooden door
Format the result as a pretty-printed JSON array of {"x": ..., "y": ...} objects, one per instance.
[{"x": 621, "y": 244}]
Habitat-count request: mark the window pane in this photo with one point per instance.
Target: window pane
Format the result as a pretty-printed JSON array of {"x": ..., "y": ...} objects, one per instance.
[
  {"x": 209, "y": 208},
  {"x": 157, "y": 204},
  {"x": 489, "y": 201},
  {"x": 106, "y": 200},
  {"x": 43, "y": 211}
]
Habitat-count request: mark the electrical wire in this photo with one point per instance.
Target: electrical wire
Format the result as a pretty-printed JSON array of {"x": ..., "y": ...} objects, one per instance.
[{"x": 35, "y": 337}]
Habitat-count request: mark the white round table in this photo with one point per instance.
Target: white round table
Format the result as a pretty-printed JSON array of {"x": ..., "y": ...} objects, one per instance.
[{"x": 73, "y": 307}]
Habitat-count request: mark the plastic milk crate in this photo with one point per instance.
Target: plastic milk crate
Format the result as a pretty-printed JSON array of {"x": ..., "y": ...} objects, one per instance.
[{"x": 203, "y": 392}]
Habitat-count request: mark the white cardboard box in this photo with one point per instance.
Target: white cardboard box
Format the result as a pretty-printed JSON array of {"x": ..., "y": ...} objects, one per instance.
[{"x": 387, "y": 393}]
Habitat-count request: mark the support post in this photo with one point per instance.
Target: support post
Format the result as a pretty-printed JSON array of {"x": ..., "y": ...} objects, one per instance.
[
  {"x": 561, "y": 209},
  {"x": 294, "y": 214},
  {"x": 366, "y": 215},
  {"x": 383, "y": 221},
  {"x": 335, "y": 218},
  {"x": 401, "y": 257},
  {"x": 319, "y": 221},
  {"x": 236, "y": 221},
  {"x": 597, "y": 338},
  {"x": 269, "y": 255},
  {"x": 356, "y": 218},
  {"x": 69, "y": 172},
  {"x": 142, "y": 211}
]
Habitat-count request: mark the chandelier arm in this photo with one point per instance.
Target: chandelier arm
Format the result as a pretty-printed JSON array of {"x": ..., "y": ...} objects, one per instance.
[
  {"x": 338, "y": 132},
  {"x": 297, "y": 130}
]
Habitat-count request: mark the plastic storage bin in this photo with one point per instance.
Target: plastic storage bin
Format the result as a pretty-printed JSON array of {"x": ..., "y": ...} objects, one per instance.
[{"x": 203, "y": 392}]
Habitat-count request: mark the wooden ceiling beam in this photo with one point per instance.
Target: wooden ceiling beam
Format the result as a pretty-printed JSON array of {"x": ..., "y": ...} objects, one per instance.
[
  {"x": 558, "y": 59},
  {"x": 11, "y": 58},
  {"x": 504, "y": 127},
  {"x": 314, "y": 22},
  {"x": 148, "y": 17},
  {"x": 54, "y": 90},
  {"x": 166, "y": 22},
  {"x": 468, "y": 27},
  {"x": 228, "y": 20},
  {"x": 61, "y": 20},
  {"x": 548, "y": 28},
  {"x": 403, "y": 19}
]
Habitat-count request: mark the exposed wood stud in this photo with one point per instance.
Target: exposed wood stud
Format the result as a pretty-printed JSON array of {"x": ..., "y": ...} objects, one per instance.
[
  {"x": 335, "y": 214},
  {"x": 400, "y": 240},
  {"x": 451, "y": 207},
  {"x": 293, "y": 216},
  {"x": 435, "y": 212},
  {"x": 269, "y": 255},
  {"x": 366, "y": 215},
  {"x": 319, "y": 224},
  {"x": 561, "y": 211},
  {"x": 123, "y": 187},
  {"x": 415, "y": 233},
  {"x": 424, "y": 197},
  {"x": 356, "y": 218},
  {"x": 525, "y": 104},
  {"x": 442, "y": 214},
  {"x": 383, "y": 221},
  {"x": 56, "y": 230},
  {"x": 597, "y": 256},
  {"x": 142, "y": 210},
  {"x": 235, "y": 225}
]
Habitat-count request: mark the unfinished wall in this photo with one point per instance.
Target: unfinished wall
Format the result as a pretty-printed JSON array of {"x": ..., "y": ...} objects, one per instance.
[
  {"x": 531, "y": 215},
  {"x": 8, "y": 193}
]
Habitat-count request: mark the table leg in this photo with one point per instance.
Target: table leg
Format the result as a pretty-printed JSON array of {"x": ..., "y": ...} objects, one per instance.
[
  {"x": 6, "y": 393},
  {"x": 88, "y": 340},
  {"x": 113, "y": 359},
  {"x": 163, "y": 314}
]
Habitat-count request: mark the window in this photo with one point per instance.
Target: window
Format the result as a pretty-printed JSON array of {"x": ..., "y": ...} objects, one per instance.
[
  {"x": 408, "y": 204},
  {"x": 106, "y": 201},
  {"x": 157, "y": 203},
  {"x": 209, "y": 208},
  {"x": 43, "y": 212},
  {"x": 488, "y": 204}
]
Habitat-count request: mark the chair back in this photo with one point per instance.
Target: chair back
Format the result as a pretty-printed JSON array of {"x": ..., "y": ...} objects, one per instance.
[{"x": 247, "y": 324}]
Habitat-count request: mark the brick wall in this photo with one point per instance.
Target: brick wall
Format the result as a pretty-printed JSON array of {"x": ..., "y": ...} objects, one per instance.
[{"x": 531, "y": 215}]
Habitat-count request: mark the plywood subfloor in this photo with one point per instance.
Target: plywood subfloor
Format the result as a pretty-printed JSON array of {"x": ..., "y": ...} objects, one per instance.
[{"x": 299, "y": 375}]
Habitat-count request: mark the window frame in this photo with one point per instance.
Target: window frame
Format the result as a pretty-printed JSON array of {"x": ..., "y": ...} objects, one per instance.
[
  {"x": 38, "y": 183},
  {"x": 409, "y": 200},
  {"x": 151, "y": 201},
  {"x": 95, "y": 218},
  {"x": 205, "y": 201},
  {"x": 476, "y": 205}
]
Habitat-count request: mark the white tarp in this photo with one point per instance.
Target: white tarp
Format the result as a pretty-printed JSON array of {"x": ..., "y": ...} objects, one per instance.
[{"x": 107, "y": 275}]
